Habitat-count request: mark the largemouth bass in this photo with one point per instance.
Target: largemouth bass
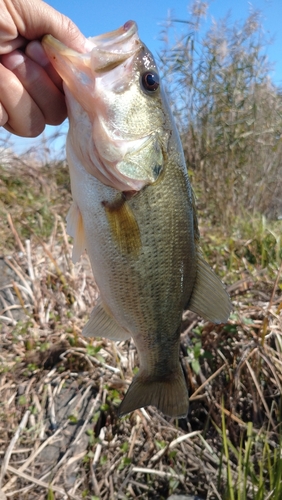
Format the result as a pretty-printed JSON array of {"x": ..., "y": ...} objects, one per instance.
[{"x": 133, "y": 211}]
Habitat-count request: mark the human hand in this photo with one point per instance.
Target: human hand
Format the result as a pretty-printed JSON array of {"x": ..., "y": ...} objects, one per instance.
[{"x": 31, "y": 93}]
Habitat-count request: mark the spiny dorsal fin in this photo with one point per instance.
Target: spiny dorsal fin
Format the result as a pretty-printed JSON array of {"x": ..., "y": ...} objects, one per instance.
[
  {"x": 75, "y": 229},
  {"x": 209, "y": 298},
  {"x": 101, "y": 324}
]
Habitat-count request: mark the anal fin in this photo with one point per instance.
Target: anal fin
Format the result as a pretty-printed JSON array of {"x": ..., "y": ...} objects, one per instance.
[
  {"x": 209, "y": 298},
  {"x": 101, "y": 324},
  {"x": 75, "y": 229}
]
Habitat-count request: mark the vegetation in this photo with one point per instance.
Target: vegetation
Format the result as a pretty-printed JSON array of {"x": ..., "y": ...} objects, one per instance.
[
  {"x": 59, "y": 435},
  {"x": 229, "y": 114}
]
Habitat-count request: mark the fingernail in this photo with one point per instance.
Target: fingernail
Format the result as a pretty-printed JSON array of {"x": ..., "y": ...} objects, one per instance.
[
  {"x": 35, "y": 51},
  {"x": 13, "y": 60},
  {"x": 3, "y": 116},
  {"x": 88, "y": 45}
]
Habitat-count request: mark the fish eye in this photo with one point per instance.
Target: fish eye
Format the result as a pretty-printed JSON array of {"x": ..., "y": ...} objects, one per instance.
[{"x": 150, "y": 81}]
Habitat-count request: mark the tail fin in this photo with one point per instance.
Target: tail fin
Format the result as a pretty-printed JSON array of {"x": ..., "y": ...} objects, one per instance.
[{"x": 169, "y": 395}]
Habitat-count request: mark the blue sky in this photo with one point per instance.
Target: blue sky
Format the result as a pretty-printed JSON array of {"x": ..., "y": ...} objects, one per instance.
[
  {"x": 97, "y": 16},
  {"x": 94, "y": 17}
]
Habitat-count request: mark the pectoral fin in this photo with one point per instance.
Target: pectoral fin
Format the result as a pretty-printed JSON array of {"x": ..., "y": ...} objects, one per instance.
[
  {"x": 209, "y": 298},
  {"x": 75, "y": 229},
  {"x": 123, "y": 224},
  {"x": 101, "y": 324}
]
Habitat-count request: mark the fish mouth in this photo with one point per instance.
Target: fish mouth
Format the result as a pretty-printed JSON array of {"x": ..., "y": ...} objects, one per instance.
[
  {"x": 104, "y": 52},
  {"x": 115, "y": 47},
  {"x": 106, "y": 66},
  {"x": 116, "y": 37}
]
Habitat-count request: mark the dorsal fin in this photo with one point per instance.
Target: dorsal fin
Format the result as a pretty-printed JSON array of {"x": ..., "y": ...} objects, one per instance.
[{"x": 209, "y": 298}]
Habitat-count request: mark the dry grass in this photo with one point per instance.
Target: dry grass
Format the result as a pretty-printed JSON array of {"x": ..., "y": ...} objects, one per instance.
[
  {"x": 59, "y": 435},
  {"x": 229, "y": 111}
]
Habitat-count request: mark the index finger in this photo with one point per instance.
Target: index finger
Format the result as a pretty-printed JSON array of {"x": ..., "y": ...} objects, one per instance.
[{"x": 34, "y": 18}]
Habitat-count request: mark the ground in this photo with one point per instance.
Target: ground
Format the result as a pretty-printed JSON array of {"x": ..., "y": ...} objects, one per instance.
[{"x": 59, "y": 434}]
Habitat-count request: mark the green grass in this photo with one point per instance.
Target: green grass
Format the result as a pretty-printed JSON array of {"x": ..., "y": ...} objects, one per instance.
[
  {"x": 33, "y": 196},
  {"x": 253, "y": 244},
  {"x": 254, "y": 470}
]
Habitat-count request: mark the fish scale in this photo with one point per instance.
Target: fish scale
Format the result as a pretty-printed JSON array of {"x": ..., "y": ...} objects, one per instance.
[{"x": 134, "y": 211}]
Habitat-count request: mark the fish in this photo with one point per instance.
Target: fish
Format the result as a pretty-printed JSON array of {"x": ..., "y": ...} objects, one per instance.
[{"x": 134, "y": 211}]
